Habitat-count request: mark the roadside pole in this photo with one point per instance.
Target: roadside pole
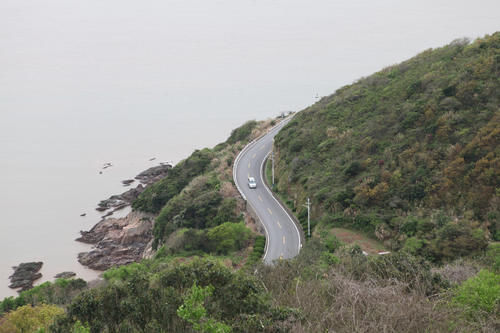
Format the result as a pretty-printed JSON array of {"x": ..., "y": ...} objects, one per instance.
[
  {"x": 272, "y": 159},
  {"x": 308, "y": 205}
]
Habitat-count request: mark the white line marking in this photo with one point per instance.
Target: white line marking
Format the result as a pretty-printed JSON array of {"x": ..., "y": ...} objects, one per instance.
[
  {"x": 284, "y": 240},
  {"x": 249, "y": 165},
  {"x": 254, "y": 155},
  {"x": 271, "y": 194},
  {"x": 279, "y": 225},
  {"x": 270, "y": 211},
  {"x": 260, "y": 198}
]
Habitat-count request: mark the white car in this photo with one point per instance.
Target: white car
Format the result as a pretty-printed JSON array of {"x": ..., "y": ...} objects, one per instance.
[{"x": 252, "y": 183}]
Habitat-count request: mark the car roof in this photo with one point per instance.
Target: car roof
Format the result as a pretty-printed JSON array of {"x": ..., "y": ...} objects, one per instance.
[{"x": 251, "y": 179}]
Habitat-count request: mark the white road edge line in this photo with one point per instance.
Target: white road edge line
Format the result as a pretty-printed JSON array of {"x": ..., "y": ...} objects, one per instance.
[{"x": 272, "y": 196}]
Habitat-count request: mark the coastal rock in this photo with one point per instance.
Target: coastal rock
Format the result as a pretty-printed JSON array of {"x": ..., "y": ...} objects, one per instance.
[
  {"x": 118, "y": 241},
  {"x": 125, "y": 199},
  {"x": 153, "y": 174},
  {"x": 127, "y": 182},
  {"x": 121, "y": 200},
  {"x": 65, "y": 275},
  {"x": 24, "y": 275}
]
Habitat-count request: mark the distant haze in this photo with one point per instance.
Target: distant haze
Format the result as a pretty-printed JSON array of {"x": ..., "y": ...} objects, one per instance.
[{"x": 83, "y": 83}]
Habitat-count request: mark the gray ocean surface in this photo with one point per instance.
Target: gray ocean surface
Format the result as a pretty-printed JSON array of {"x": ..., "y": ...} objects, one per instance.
[{"x": 83, "y": 83}]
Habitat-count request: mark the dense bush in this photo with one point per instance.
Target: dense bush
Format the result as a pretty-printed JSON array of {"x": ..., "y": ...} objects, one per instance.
[
  {"x": 242, "y": 133},
  {"x": 229, "y": 237},
  {"x": 157, "y": 195},
  {"x": 152, "y": 298},
  {"x": 29, "y": 318},
  {"x": 480, "y": 293},
  {"x": 60, "y": 292},
  {"x": 200, "y": 205}
]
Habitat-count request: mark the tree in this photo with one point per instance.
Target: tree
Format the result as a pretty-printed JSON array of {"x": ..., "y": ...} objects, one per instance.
[
  {"x": 193, "y": 311},
  {"x": 29, "y": 319}
]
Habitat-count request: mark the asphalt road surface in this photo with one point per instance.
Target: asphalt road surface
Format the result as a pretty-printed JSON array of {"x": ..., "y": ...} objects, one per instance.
[{"x": 282, "y": 235}]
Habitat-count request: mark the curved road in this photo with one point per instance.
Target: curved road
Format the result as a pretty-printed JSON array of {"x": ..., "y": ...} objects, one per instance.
[{"x": 283, "y": 238}]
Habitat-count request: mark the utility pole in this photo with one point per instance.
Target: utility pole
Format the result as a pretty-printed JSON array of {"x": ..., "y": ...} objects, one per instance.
[
  {"x": 308, "y": 205},
  {"x": 272, "y": 159}
]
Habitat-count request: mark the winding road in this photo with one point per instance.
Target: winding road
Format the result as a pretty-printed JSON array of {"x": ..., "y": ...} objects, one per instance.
[{"x": 283, "y": 239}]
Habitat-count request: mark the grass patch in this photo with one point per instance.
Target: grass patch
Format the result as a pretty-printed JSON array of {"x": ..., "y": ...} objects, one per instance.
[{"x": 367, "y": 244}]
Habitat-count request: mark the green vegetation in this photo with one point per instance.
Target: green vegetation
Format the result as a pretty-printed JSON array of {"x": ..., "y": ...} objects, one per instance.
[
  {"x": 242, "y": 133},
  {"x": 156, "y": 196},
  {"x": 60, "y": 292},
  {"x": 168, "y": 296},
  {"x": 480, "y": 293},
  {"x": 30, "y": 319},
  {"x": 195, "y": 313},
  {"x": 410, "y": 154},
  {"x": 258, "y": 250}
]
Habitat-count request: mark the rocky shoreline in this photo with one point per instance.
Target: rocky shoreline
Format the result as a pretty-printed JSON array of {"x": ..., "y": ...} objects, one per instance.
[
  {"x": 145, "y": 178},
  {"x": 120, "y": 241},
  {"x": 117, "y": 241},
  {"x": 24, "y": 275}
]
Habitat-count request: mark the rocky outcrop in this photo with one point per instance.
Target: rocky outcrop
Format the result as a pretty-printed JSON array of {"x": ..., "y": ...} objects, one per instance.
[
  {"x": 119, "y": 201},
  {"x": 117, "y": 241},
  {"x": 24, "y": 275},
  {"x": 147, "y": 177},
  {"x": 65, "y": 275},
  {"x": 127, "y": 182},
  {"x": 153, "y": 174}
]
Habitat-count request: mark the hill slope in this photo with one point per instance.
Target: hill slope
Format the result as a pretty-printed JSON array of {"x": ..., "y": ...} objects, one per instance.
[{"x": 410, "y": 154}]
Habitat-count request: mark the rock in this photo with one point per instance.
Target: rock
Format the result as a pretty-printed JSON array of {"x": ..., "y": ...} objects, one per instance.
[
  {"x": 65, "y": 275},
  {"x": 146, "y": 178},
  {"x": 153, "y": 174},
  {"x": 120, "y": 201},
  {"x": 25, "y": 274},
  {"x": 118, "y": 241},
  {"x": 127, "y": 182},
  {"x": 106, "y": 215},
  {"x": 83, "y": 214},
  {"x": 152, "y": 158}
]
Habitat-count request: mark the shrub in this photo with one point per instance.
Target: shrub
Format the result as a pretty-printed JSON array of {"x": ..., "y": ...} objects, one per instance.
[
  {"x": 228, "y": 237},
  {"x": 480, "y": 293},
  {"x": 242, "y": 133},
  {"x": 30, "y": 319}
]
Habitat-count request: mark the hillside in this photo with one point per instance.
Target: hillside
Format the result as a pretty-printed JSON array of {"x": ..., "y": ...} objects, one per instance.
[{"x": 410, "y": 154}]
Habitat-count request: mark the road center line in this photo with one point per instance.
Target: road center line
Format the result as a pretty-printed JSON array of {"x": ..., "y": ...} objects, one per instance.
[
  {"x": 284, "y": 240},
  {"x": 270, "y": 211},
  {"x": 260, "y": 198},
  {"x": 249, "y": 165},
  {"x": 279, "y": 225},
  {"x": 254, "y": 155}
]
